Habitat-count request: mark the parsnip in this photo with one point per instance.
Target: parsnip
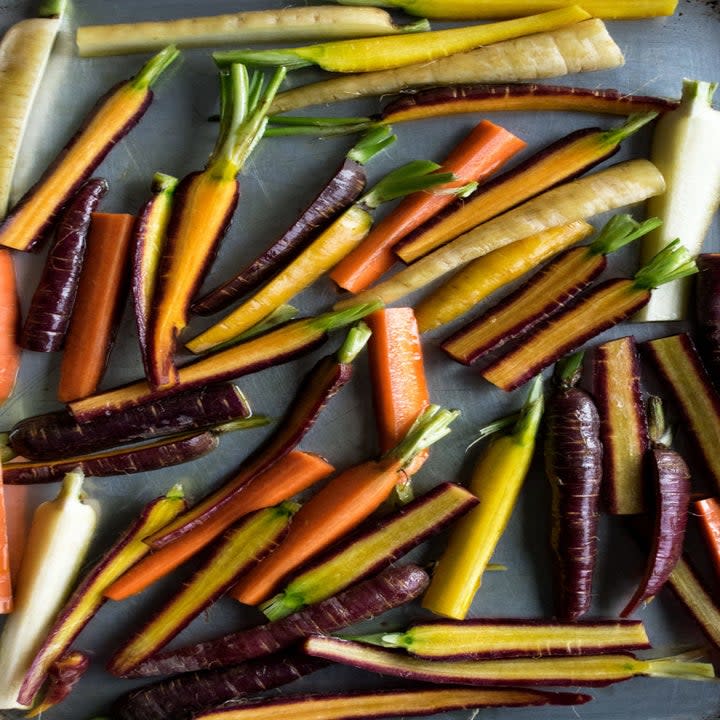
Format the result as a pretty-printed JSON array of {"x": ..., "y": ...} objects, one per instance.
[
  {"x": 24, "y": 53},
  {"x": 582, "y": 47},
  {"x": 619, "y": 185},
  {"x": 686, "y": 150},
  {"x": 260, "y": 26},
  {"x": 59, "y": 537}
]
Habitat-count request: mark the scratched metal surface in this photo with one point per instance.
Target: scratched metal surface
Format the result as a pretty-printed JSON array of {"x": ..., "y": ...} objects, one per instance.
[{"x": 282, "y": 176}]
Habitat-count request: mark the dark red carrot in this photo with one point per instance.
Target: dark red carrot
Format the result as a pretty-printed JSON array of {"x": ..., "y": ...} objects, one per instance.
[
  {"x": 573, "y": 464},
  {"x": 708, "y": 512},
  {"x": 48, "y": 436},
  {"x": 390, "y": 589},
  {"x": 184, "y": 695},
  {"x": 112, "y": 118},
  {"x": 671, "y": 489},
  {"x": 339, "y": 193},
  {"x": 52, "y": 304},
  {"x": 708, "y": 312},
  {"x": 64, "y": 674}
]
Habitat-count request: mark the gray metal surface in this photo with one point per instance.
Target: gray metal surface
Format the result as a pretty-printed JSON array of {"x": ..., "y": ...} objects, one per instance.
[{"x": 282, "y": 176}]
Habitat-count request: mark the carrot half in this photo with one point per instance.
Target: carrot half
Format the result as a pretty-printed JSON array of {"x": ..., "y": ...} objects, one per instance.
[
  {"x": 9, "y": 319},
  {"x": 6, "y": 597},
  {"x": 708, "y": 512},
  {"x": 98, "y": 305},
  {"x": 291, "y": 475},
  {"x": 481, "y": 153}
]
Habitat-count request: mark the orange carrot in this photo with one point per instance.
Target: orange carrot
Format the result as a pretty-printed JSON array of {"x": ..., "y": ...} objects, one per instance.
[
  {"x": 340, "y": 506},
  {"x": 399, "y": 386},
  {"x": 479, "y": 155},
  {"x": 291, "y": 475},
  {"x": 98, "y": 306},
  {"x": 6, "y": 598},
  {"x": 9, "y": 317},
  {"x": 708, "y": 511}
]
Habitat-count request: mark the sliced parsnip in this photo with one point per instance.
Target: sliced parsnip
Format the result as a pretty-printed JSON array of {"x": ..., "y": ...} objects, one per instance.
[
  {"x": 582, "y": 47},
  {"x": 260, "y": 26},
  {"x": 24, "y": 53},
  {"x": 619, "y": 185}
]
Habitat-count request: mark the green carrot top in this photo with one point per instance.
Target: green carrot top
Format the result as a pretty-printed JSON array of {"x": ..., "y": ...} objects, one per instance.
[
  {"x": 671, "y": 263},
  {"x": 154, "y": 68},
  {"x": 619, "y": 231}
]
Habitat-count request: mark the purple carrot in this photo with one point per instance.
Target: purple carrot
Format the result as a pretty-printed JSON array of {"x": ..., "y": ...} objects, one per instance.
[
  {"x": 52, "y": 304},
  {"x": 573, "y": 464},
  {"x": 63, "y": 676},
  {"x": 392, "y": 588},
  {"x": 708, "y": 312},
  {"x": 48, "y": 436},
  {"x": 671, "y": 487},
  {"x": 182, "y": 696},
  {"x": 339, "y": 193}
]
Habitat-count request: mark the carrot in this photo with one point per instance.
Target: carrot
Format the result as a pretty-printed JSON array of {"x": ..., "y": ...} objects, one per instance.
[
  {"x": 479, "y": 154},
  {"x": 6, "y": 598},
  {"x": 708, "y": 512},
  {"x": 280, "y": 482},
  {"x": 98, "y": 306},
  {"x": 9, "y": 317},
  {"x": 341, "y": 505}
]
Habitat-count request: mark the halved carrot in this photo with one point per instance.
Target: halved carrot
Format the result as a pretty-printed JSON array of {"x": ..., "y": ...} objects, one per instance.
[
  {"x": 98, "y": 306},
  {"x": 6, "y": 597},
  {"x": 9, "y": 318},
  {"x": 291, "y": 475},
  {"x": 477, "y": 156},
  {"x": 708, "y": 512}
]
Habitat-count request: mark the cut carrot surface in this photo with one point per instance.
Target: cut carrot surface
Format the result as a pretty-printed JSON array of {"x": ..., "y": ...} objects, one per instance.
[
  {"x": 477, "y": 156},
  {"x": 6, "y": 598},
  {"x": 288, "y": 477},
  {"x": 99, "y": 303},
  {"x": 9, "y": 318},
  {"x": 708, "y": 512}
]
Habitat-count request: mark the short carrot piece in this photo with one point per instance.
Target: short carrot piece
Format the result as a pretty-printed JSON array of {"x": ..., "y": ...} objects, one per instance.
[
  {"x": 280, "y": 482},
  {"x": 98, "y": 306},
  {"x": 340, "y": 506},
  {"x": 6, "y": 598},
  {"x": 708, "y": 512},
  {"x": 479, "y": 154},
  {"x": 9, "y": 318}
]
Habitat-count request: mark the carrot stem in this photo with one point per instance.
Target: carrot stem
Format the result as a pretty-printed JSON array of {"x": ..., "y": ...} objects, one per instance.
[{"x": 154, "y": 68}]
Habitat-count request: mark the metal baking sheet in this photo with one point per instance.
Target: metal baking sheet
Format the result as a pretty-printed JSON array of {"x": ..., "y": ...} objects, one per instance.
[{"x": 282, "y": 176}]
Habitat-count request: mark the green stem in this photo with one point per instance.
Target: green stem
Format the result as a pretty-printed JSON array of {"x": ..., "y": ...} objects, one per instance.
[
  {"x": 52, "y": 8},
  {"x": 658, "y": 430},
  {"x": 234, "y": 94},
  {"x": 697, "y": 92},
  {"x": 6, "y": 452},
  {"x": 154, "y": 68},
  {"x": 242, "y": 424},
  {"x": 297, "y": 121},
  {"x": 341, "y": 318},
  {"x": 526, "y": 428},
  {"x": 387, "y": 640},
  {"x": 286, "y": 58},
  {"x": 162, "y": 183},
  {"x": 431, "y": 426},
  {"x": 496, "y": 426},
  {"x": 619, "y": 231},
  {"x": 671, "y": 263},
  {"x": 290, "y": 125},
  {"x": 673, "y": 667},
  {"x": 413, "y": 177},
  {"x": 355, "y": 341},
  {"x": 630, "y": 126},
  {"x": 278, "y": 316},
  {"x": 371, "y": 143},
  {"x": 569, "y": 369},
  {"x": 176, "y": 492}
]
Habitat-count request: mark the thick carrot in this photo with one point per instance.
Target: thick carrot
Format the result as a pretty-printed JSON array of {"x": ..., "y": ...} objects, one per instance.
[
  {"x": 708, "y": 512},
  {"x": 98, "y": 306},
  {"x": 9, "y": 317},
  {"x": 479, "y": 154},
  {"x": 291, "y": 475},
  {"x": 341, "y": 505},
  {"x": 6, "y": 598}
]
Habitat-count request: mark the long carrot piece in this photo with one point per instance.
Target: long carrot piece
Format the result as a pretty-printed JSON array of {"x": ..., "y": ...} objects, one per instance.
[
  {"x": 99, "y": 302},
  {"x": 479, "y": 154},
  {"x": 6, "y": 598},
  {"x": 291, "y": 475},
  {"x": 9, "y": 317},
  {"x": 339, "y": 506},
  {"x": 708, "y": 512}
]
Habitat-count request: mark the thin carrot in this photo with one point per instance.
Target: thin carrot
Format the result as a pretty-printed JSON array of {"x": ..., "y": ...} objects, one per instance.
[
  {"x": 291, "y": 475},
  {"x": 9, "y": 316},
  {"x": 6, "y": 598},
  {"x": 339, "y": 506},
  {"x": 480, "y": 154},
  {"x": 98, "y": 305},
  {"x": 708, "y": 512}
]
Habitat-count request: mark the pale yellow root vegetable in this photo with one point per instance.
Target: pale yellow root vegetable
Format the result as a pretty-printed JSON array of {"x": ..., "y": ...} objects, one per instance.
[
  {"x": 489, "y": 273},
  {"x": 24, "y": 53},
  {"x": 259, "y": 26},
  {"x": 59, "y": 537},
  {"x": 582, "y": 47},
  {"x": 617, "y": 186}
]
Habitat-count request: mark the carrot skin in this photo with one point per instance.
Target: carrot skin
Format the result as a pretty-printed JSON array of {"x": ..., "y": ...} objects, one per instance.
[
  {"x": 365, "y": 600},
  {"x": 51, "y": 307},
  {"x": 6, "y": 590},
  {"x": 65, "y": 673},
  {"x": 573, "y": 464},
  {"x": 708, "y": 512},
  {"x": 339, "y": 193},
  {"x": 9, "y": 324}
]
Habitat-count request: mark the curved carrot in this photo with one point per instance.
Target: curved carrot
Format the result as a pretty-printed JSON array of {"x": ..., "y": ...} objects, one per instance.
[
  {"x": 477, "y": 156},
  {"x": 98, "y": 305},
  {"x": 291, "y": 475},
  {"x": 9, "y": 318}
]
